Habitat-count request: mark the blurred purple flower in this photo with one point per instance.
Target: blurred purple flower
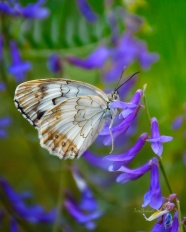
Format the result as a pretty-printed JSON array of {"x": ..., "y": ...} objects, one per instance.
[
  {"x": 4, "y": 122},
  {"x": 117, "y": 130},
  {"x": 86, "y": 211},
  {"x": 96, "y": 161},
  {"x": 18, "y": 68},
  {"x": 2, "y": 86},
  {"x": 157, "y": 139},
  {"x": 127, "y": 51},
  {"x": 86, "y": 10},
  {"x": 13, "y": 225},
  {"x": 154, "y": 197},
  {"x": 1, "y": 46},
  {"x": 177, "y": 123},
  {"x": 129, "y": 107},
  {"x": 127, "y": 157},
  {"x": 95, "y": 60},
  {"x": 33, "y": 214},
  {"x": 54, "y": 63},
  {"x": 131, "y": 174},
  {"x": 31, "y": 11}
]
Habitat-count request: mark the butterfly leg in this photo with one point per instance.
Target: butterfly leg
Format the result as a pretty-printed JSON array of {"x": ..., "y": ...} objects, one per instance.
[{"x": 112, "y": 138}]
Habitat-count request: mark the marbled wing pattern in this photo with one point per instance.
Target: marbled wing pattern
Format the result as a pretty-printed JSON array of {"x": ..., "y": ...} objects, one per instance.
[
  {"x": 68, "y": 114},
  {"x": 70, "y": 127}
]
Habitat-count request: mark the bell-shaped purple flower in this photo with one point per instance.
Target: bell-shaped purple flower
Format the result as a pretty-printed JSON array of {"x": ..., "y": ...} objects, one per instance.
[
  {"x": 157, "y": 139},
  {"x": 4, "y": 122},
  {"x": 125, "y": 158},
  {"x": 131, "y": 174},
  {"x": 55, "y": 63},
  {"x": 31, "y": 11},
  {"x": 154, "y": 197},
  {"x": 86, "y": 10},
  {"x": 86, "y": 211},
  {"x": 128, "y": 107},
  {"x": 18, "y": 68},
  {"x": 95, "y": 60},
  {"x": 33, "y": 214}
]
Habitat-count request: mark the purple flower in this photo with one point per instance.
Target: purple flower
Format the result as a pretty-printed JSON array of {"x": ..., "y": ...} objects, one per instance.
[
  {"x": 177, "y": 123},
  {"x": 161, "y": 224},
  {"x": 154, "y": 197},
  {"x": 86, "y": 10},
  {"x": 1, "y": 46},
  {"x": 131, "y": 174},
  {"x": 129, "y": 107},
  {"x": 4, "y": 122},
  {"x": 157, "y": 140},
  {"x": 31, "y": 11},
  {"x": 18, "y": 68},
  {"x": 119, "y": 129},
  {"x": 96, "y": 161},
  {"x": 2, "y": 86},
  {"x": 54, "y": 63},
  {"x": 33, "y": 214},
  {"x": 95, "y": 60},
  {"x": 127, "y": 51},
  {"x": 127, "y": 157},
  {"x": 86, "y": 211}
]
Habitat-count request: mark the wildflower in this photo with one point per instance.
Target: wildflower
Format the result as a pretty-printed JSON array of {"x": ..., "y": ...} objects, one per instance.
[
  {"x": 18, "y": 68},
  {"x": 177, "y": 123},
  {"x": 2, "y": 86},
  {"x": 123, "y": 159},
  {"x": 33, "y": 214},
  {"x": 131, "y": 174},
  {"x": 4, "y": 122},
  {"x": 96, "y": 160},
  {"x": 129, "y": 107},
  {"x": 154, "y": 197},
  {"x": 31, "y": 11},
  {"x": 166, "y": 224},
  {"x": 55, "y": 63},
  {"x": 119, "y": 129},
  {"x": 1, "y": 46},
  {"x": 157, "y": 139},
  {"x": 86, "y": 10},
  {"x": 86, "y": 211},
  {"x": 95, "y": 60}
]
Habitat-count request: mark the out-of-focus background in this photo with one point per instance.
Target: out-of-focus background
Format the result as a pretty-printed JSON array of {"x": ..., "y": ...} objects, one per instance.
[{"x": 65, "y": 31}]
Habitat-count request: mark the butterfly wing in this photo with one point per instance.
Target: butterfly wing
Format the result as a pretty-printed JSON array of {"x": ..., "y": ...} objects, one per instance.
[
  {"x": 70, "y": 127},
  {"x": 34, "y": 98}
]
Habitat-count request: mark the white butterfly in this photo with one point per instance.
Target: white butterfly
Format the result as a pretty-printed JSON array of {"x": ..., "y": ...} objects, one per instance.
[{"x": 67, "y": 114}]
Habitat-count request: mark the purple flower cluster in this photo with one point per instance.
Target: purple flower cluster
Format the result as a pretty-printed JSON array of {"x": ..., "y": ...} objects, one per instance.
[
  {"x": 86, "y": 211},
  {"x": 127, "y": 50},
  {"x": 31, "y": 11},
  {"x": 16, "y": 202}
]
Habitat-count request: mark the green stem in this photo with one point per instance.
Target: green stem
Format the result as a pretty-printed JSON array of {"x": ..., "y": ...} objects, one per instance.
[
  {"x": 182, "y": 228},
  {"x": 60, "y": 200}
]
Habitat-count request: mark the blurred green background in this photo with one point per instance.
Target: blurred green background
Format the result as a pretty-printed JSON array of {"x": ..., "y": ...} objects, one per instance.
[{"x": 29, "y": 167}]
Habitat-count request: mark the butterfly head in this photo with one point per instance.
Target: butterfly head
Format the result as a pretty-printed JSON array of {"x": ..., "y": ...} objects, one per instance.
[{"x": 114, "y": 96}]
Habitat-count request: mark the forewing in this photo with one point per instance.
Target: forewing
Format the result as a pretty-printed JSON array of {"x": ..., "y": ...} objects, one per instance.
[
  {"x": 70, "y": 127},
  {"x": 34, "y": 98}
]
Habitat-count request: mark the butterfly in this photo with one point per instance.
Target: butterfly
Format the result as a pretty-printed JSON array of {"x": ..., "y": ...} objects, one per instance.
[{"x": 68, "y": 114}]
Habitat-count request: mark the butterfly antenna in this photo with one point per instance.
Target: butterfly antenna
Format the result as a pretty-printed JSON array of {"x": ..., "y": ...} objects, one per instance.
[
  {"x": 126, "y": 80},
  {"x": 121, "y": 76}
]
